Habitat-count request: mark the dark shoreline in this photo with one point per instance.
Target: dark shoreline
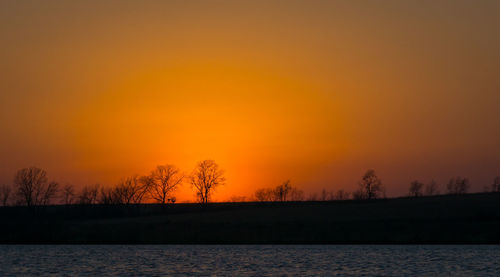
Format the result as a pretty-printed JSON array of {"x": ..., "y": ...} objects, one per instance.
[{"x": 446, "y": 219}]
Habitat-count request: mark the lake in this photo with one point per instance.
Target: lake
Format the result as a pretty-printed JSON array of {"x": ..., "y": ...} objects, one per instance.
[{"x": 250, "y": 260}]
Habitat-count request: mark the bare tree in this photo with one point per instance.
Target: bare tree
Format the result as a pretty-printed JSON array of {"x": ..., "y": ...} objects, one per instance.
[
  {"x": 237, "y": 199},
  {"x": 129, "y": 191},
  {"x": 358, "y": 194},
  {"x": 342, "y": 195},
  {"x": 282, "y": 191},
  {"x": 162, "y": 182},
  {"x": 296, "y": 194},
  {"x": 496, "y": 184},
  {"x": 416, "y": 189},
  {"x": 370, "y": 186},
  {"x": 312, "y": 197},
  {"x": 68, "y": 194},
  {"x": 431, "y": 188},
  {"x": 324, "y": 195},
  {"x": 49, "y": 193},
  {"x": 33, "y": 188},
  {"x": 205, "y": 178},
  {"x": 89, "y": 194},
  {"x": 458, "y": 185},
  {"x": 107, "y": 196},
  {"x": 29, "y": 183},
  {"x": 5, "y": 191},
  {"x": 260, "y": 195},
  {"x": 264, "y": 195}
]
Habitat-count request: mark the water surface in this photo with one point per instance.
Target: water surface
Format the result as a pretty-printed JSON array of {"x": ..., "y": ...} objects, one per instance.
[{"x": 249, "y": 260}]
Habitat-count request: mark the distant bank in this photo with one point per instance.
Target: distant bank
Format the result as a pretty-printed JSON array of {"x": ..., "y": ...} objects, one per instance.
[{"x": 446, "y": 219}]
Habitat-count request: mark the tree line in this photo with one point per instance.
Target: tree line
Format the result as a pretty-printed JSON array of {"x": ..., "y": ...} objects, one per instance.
[
  {"x": 31, "y": 187},
  {"x": 370, "y": 187}
]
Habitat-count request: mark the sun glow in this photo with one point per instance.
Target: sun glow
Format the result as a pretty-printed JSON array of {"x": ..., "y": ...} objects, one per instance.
[
  {"x": 270, "y": 90},
  {"x": 244, "y": 117}
]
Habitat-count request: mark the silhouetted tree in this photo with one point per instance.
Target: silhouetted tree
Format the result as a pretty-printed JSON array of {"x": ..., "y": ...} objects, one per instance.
[
  {"x": 260, "y": 195},
  {"x": 370, "y": 186},
  {"x": 33, "y": 187},
  {"x": 89, "y": 194},
  {"x": 342, "y": 195},
  {"x": 458, "y": 185},
  {"x": 50, "y": 193},
  {"x": 237, "y": 199},
  {"x": 162, "y": 182},
  {"x": 358, "y": 194},
  {"x": 312, "y": 197},
  {"x": 296, "y": 194},
  {"x": 5, "y": 191},
  {"x": 416, "y": 189},
  {"x": 68, "y": 194},
  {"x": 264, "y": 195},
  {"x": 129, "y": 191},
  {"x": 325, "y": 195},
  {"x": 431, "y": 188},
  {"x": 205, "y": 178},
  {"x": 107, "y": 196},
  {"x": 495, "y": 187},
  {"x": 282, "y": 191}
]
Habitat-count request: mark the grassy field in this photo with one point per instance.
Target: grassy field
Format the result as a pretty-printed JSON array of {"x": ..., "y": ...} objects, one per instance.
[{"x": 472, "y": 218}]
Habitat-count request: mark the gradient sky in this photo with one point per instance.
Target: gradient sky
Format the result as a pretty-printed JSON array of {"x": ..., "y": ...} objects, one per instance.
[{"x": 313, "y": 91}]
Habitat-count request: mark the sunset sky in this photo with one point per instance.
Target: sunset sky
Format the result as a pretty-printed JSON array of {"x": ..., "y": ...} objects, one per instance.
[{"x": 312, "y": 91}]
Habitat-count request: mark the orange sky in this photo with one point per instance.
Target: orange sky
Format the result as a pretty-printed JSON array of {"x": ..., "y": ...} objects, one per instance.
[{"x": 312, "y": 91}]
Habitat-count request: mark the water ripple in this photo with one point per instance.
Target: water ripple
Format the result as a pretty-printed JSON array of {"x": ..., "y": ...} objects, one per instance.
[{"x": 249, "y": 260}]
